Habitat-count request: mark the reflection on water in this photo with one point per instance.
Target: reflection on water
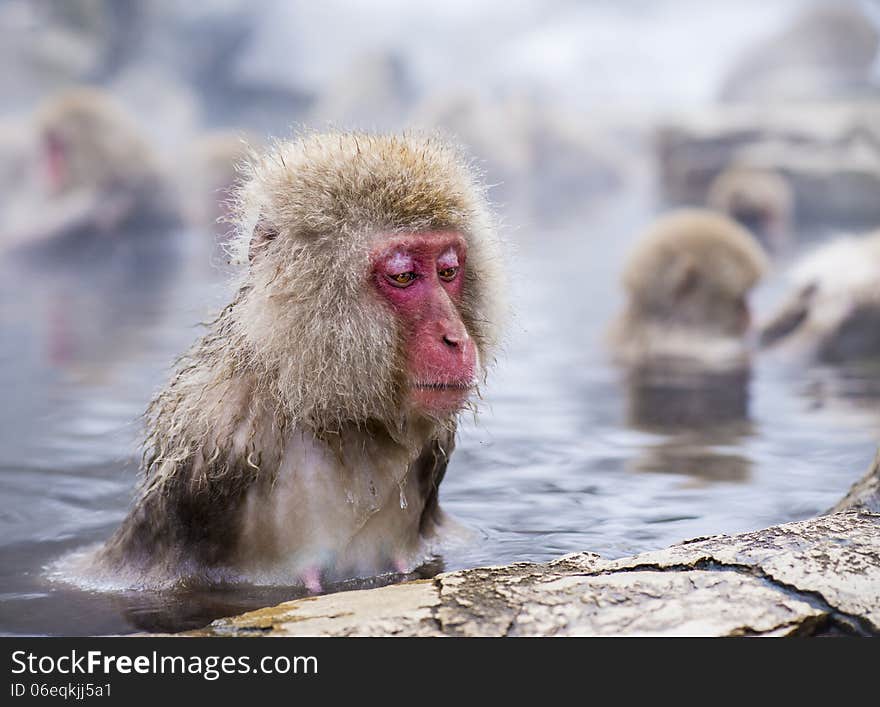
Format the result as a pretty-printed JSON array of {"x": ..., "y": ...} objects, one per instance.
[
  {"x": 700, "y": 416},
  {"x": 679, "y": 400},
  {"x": 554, "y": 463}
]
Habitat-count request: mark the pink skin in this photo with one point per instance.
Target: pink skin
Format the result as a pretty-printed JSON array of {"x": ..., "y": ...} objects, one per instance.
[
  {"x": 421, "y": 275},
  {"x": 55, "y": 161},
  {"x": 311, "y": 578}
]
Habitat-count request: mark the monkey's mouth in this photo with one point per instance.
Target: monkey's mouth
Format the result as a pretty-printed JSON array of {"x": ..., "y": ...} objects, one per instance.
[
  {"x": 441, "y": 397},
  {"x": 423, "y": 385}
]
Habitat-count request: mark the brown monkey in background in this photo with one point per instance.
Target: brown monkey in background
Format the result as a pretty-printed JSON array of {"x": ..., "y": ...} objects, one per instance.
[
  {"x": 682, "y": 337},
  {"x": 762, "y": 201},
  {"x": 687, "y": 283},
  {"x": 100, "y": 176},
  {"x": 303, "y": 438}
]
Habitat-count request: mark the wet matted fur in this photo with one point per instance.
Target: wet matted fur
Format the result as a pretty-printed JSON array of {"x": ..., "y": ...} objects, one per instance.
[{"x": 306, "y": 347}]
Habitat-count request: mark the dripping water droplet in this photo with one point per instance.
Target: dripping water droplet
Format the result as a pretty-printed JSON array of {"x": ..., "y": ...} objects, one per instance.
[{"x": 403, "y": 503}]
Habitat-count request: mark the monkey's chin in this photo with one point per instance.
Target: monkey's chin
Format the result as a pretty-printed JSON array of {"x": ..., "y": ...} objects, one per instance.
[{"x": 440, "y": 399}]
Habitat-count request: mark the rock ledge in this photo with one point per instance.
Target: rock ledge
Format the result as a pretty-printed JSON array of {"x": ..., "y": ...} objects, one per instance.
[{"x": 812, "y": 577}]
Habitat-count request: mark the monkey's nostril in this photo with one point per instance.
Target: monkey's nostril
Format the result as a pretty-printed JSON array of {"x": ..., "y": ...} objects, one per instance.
[{"x": 450, "y": 342}]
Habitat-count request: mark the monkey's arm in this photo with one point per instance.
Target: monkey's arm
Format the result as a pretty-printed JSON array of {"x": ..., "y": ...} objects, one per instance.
[
  {"x": 187, "y": 524},
  {"x": 188, "y": 516},
  {"x": 788, "y": 319},
  {"x": 430, "y": 468}
]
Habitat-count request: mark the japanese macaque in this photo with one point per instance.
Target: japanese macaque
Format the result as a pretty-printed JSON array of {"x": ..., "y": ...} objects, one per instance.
[
  {"x": 687, "y": 284},
  {"x": 833, "y": 311},
  {"x": 760, "y": 200},
  {"x": 303, "y": 438},
  {"x": 100, "y": 176},
  {"x": 682, "y": 341}
]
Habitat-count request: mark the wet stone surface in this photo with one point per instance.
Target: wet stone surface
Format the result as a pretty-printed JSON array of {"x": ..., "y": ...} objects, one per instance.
[{"x": 813, "y": 577}]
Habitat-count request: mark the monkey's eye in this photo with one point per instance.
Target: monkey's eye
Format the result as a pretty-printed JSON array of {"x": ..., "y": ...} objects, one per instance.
[
  {"x": 448, "y": 274},
  {"x": 404, "y": 279}
]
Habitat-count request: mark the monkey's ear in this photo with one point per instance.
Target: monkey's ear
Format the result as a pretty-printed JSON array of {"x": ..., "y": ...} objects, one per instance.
[{"x": 263, "y": 233}]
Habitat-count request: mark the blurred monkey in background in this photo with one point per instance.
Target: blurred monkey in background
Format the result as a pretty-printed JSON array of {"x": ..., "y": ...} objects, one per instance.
[
  {"x": 687, "y": 284},
  {"x": 682, "y": 337},
  {"x": 832, "y": 313},
  {"x": 101, "y": 179}
]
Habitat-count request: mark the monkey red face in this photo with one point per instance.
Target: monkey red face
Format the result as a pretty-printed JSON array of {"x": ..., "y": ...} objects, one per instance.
[
  {"x": 421, "y": 275},
  {"x": 55, "y": 160}
]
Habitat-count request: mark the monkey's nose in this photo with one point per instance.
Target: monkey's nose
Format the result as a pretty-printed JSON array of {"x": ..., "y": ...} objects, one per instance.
[{"x": 451, "y": 341}]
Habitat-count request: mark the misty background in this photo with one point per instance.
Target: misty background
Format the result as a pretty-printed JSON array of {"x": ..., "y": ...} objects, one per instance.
[{"x": 588, "y": 119}]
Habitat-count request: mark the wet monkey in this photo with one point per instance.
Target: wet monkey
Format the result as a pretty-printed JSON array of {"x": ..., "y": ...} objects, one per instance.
[
  {"x": 303, "y": 438},
  {"x": 687, "y": 282},
  {"x": 832, "y": 311},
  {"x": 682, "y": 342}
]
